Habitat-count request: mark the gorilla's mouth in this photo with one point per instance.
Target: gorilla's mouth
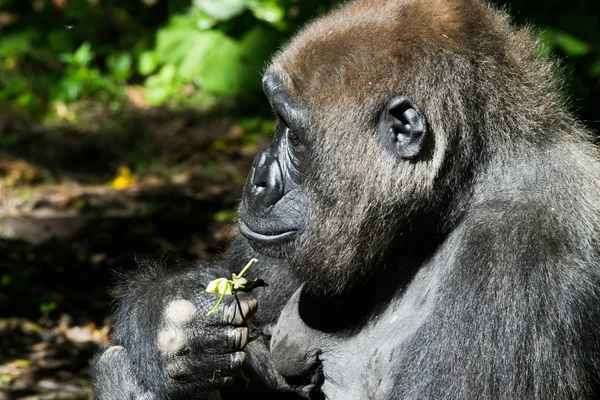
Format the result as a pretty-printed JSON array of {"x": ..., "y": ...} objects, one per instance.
[{"x": 270, "y": 237}]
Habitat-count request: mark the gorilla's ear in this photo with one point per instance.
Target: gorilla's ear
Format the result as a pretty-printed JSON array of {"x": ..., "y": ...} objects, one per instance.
[{"x": 404, "y": 125}]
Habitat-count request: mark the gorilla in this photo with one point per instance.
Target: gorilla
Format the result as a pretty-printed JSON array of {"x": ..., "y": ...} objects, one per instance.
[{"x": 427, "y": 217}]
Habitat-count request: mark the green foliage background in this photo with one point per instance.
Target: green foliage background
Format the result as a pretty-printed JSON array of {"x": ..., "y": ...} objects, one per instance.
[{"x": 62, "y": 58}]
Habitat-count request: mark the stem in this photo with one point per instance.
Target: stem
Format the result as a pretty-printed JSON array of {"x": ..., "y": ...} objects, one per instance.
[
  {"x": 246, "y": 267},
  {"x": 211, "y": 312}
]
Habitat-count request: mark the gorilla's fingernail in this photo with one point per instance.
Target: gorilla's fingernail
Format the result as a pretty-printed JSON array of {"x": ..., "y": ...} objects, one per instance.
[
  {"x": 237, "y": 359},
  {"x": 252, "y": 304},
  {"x": 243, "y": 337},
  {"x": 237, "y": 338}
]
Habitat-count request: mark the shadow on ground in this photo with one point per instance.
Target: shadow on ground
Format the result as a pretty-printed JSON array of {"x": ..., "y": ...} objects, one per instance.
[{"x": 65, "y": 229}]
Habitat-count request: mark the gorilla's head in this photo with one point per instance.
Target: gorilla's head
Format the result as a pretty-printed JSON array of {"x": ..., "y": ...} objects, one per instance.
[{"x": 385, "y": 112}]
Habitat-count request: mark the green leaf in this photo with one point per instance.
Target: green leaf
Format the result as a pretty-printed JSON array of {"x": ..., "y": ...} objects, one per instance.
[
  {"x": 571, "y": 45},
  {"x": 46, "y": 308},
  {"x": 24, "y": 100},
  {"x": 15, "y": 45},
  {"x": 147, "y": 63},
  {"x": 216, "y": 59},
  {"x": 167, "y": 74},
  {"x": 257, "y": 46},
  {"x": 172, "y": 40},
  {"x": 222, "y": 10},
  {"x": 59, "y": 41},
  {"x": 204, "y": 21},
  {"x": 83, "y": 56},
  {"x": 225, "y": 215},
  {"x": 268, "y": 11},
  {"x": 120, "y": 65},
  {"x": 157, "y": 96}
]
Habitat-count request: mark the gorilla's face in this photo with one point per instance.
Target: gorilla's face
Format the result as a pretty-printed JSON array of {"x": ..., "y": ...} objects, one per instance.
[
  {"x": 362, "y": 136},
  {"x": 323, "y": 196},
  {"x": 274, "y": 207}
]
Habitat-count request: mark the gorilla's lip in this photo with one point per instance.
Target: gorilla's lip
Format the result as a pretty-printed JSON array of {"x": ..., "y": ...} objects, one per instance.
[{"x": 265, "y": 238}]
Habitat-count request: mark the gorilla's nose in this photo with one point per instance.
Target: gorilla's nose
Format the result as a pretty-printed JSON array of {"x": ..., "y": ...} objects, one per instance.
[{"x": 267, "y": 180}]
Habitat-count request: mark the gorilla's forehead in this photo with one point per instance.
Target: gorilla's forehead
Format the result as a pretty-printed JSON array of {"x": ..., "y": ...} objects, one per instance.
[{"x": 359, "y": 45}]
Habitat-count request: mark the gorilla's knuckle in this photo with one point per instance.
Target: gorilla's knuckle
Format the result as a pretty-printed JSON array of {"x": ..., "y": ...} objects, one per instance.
[
  {"x": 236, "y": 312},
  {"x": 237, "y": 337},
  {"x": 236, "y": 360}
]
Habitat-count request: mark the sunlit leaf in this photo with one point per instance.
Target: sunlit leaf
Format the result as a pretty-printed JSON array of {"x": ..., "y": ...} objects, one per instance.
[
  {"x": 205, "y": 21},
  {"x": 221, "y": 9},
  {"x": 84, "y": 55},
  {"x": 147, "y": 63},
  {"x": 571, "y": 45},
  {"x": 268, "y": 11},
  {"x": 172, "y": 41},
  {"x": 157, "y": 96},
  {"x": 120, "y": 65},
  {"x": 216, "y": 58},
  {"x": 167, "y": 73}
]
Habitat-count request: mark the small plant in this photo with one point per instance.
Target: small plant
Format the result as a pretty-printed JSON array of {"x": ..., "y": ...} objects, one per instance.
[{"x": 232, "y": 286}]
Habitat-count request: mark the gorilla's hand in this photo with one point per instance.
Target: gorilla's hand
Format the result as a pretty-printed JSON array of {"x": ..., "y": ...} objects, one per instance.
[
  {"x": 175, "y": 349},
  {"x": 199, "y": 352}
]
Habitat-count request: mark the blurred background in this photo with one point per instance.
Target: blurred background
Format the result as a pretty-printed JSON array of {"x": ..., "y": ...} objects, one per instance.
[{"x": 127, "y": 127}]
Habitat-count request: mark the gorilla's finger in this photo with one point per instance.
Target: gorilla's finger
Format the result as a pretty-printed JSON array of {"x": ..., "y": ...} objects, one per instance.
[
  {"x": 236, "y": 310},
  {"x": 114, "y": 378},
  {"x": 225, "y": 339},
  {"x": 189, "y": 369},
  {"x": 237, "y": 338}
]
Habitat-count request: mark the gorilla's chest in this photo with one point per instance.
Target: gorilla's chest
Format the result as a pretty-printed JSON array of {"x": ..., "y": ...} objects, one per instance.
[{"x": 357, "y": 366}]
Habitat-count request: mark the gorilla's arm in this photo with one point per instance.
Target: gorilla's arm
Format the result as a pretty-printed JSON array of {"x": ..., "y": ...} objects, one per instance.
[
  {"x": 516, "y": 313},
  {"x": 175, "y": 350}
]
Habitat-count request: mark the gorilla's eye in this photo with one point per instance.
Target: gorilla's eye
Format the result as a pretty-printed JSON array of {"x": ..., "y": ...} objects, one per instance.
[{"x": 292, "y": 137}]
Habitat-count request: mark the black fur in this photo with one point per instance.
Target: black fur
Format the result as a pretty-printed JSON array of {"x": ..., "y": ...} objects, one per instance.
[{"x": 460, "y": 261}]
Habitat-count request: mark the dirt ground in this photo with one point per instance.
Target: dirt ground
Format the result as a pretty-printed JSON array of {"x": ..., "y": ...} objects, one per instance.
[{"x": 79, "y": 203}]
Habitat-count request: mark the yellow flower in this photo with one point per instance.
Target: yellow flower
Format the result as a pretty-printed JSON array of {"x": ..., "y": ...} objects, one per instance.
[
  {"x": 124, "y": 179},
  {"x": 220, "y": 286}
]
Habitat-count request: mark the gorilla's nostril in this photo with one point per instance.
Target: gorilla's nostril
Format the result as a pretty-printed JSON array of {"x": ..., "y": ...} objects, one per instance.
[{"x": 266, "y": 181}]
